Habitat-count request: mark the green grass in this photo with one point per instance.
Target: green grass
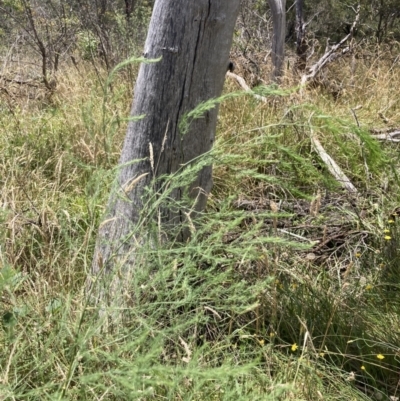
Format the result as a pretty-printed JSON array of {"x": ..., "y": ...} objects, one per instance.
[{"x": 251, "y": 308}]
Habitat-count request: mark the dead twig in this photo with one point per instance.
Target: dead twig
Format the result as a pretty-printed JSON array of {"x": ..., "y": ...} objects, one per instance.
[
  {"x": 246, "y": 87},
  {"x": 330, "y": 53}
]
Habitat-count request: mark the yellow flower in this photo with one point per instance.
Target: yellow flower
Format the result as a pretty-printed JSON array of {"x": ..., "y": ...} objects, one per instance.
[
  {"x": 386, "y": 230},
  {"x": 272, "y": 334},
  {"x": 362, "y": 367},
  {"x": 380, "y": 356},
  {"x": 388, "y": 237},
  {"x": 294, "y": 347},
  {"x": 261, "y": 342},
  {"x": 357, "y": 255},
  {"x": 390, "y": 221},
  {"x": 368, "y": 287}
]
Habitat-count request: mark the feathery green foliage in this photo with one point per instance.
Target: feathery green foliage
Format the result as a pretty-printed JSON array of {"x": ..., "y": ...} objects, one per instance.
[{"x": 287, "y": 289}]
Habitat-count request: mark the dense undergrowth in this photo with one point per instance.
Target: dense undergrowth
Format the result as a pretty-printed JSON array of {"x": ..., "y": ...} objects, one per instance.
[{"x": 288, "y": 288}]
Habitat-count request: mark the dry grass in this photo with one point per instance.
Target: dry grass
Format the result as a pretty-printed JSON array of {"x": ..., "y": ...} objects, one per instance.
[{"x": 242, "y": 293}]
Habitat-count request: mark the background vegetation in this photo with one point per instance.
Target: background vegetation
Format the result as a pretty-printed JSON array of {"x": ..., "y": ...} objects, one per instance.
[{"x": 288, "y": 289}]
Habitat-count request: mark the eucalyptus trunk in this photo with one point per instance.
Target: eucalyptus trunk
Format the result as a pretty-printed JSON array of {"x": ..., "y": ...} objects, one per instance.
[
  {"x": 278, "y": 10},
  {"x": 193, "y": 40},
  {"x": 301, "y": 44}
]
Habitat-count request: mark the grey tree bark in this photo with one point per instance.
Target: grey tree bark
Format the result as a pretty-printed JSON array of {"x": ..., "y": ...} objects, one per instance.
[
  {"x": 193, "y": 39},
  {"x": 278, "y": 9}
]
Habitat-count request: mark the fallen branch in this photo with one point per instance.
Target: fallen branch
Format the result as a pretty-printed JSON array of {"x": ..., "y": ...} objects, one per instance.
[
  {"x": 330, "y": 53},
  {"x": 333, "y": 167},
  {"x": 246, "y": 87},
  {"x": 17, "y": 81},
  {"x": 312, "y": 242},
  {"x": 390, "y": 136}
]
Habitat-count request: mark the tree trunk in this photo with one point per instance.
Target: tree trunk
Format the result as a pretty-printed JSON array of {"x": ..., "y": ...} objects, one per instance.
[
  {"x": 129, "y": 7},
  {"x": 301, "y": 44},
  {"x": 278, "y": 9},
  {"x": 193, "y": 39}
]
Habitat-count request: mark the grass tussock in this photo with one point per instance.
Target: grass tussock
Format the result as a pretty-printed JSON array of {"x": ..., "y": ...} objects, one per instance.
[{"x": 287, "y": 289}]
